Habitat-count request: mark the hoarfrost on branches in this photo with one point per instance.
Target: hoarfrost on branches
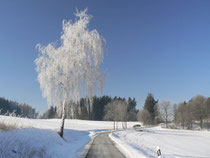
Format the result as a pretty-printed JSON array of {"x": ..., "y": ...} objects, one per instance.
[{"x": 72, "y": 69}]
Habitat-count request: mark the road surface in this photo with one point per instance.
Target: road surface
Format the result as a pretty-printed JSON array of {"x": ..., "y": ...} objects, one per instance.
[{"x": 103, "y": 147}]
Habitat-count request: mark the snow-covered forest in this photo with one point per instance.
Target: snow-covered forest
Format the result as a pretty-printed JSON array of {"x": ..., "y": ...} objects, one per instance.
[
  {"x": 100, "y": 108},
  {"x": 8, "y": 107},
  {"x": 194, "y": 114}
]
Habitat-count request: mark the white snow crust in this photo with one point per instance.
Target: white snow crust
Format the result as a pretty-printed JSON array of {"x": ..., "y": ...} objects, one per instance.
[{"x": 172, "y": 143}]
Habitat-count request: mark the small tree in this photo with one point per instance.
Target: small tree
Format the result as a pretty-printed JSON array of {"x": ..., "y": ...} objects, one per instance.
[
  {"x": 66, "y": 71},
  {"x": 175, "y": 113},
  {"x": 208, "y": 110},
  {"x": 149, "y": 105},
  {"x": 181, "y": 114},
  {"x": 158, "y": 119},
  {"x": 116, "y": 111},
  {"x": 189, "y": 114},
  {"x": 144, "y": 116},
  {"x": 132, "y": 115},
  {"x": 199, "y": 108},
  {"x": 165, "y": 111}
]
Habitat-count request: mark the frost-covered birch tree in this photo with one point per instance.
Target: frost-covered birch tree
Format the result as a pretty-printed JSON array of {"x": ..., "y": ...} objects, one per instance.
[
  {"x": 71, "y": 69},
  {"x": 116, "y": 111}
]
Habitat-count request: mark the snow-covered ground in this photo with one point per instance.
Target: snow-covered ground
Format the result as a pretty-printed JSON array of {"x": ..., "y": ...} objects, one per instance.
[
  {"x": 173, "y": 143},
  {"x": 37, "y": 138}
]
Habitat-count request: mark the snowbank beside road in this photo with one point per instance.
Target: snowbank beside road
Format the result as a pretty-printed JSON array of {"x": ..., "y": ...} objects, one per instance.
[
  {"x": 32, "y": 142},
  {"x": 173, "y": 143},
  {"x": 38, "y": 138},
  {"x": 125, "y": 148}
]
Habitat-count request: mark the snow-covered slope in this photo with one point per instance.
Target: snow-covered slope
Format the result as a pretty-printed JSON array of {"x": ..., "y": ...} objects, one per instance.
[
  {"x": 38, "y": 138},
  {"x": 173, "y": 143}
]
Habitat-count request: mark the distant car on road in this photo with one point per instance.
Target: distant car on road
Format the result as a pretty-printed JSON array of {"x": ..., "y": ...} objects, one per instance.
[{"x": 136, "y": 126}]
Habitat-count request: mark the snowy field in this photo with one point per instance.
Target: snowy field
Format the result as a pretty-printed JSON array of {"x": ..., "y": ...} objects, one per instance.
[
  {"x": 37, "y": 138},
  {"x": 173, "y": 143}
]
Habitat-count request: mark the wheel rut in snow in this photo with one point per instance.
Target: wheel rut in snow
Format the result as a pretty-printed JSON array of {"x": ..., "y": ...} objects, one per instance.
[{"x": 103, "y": 147}]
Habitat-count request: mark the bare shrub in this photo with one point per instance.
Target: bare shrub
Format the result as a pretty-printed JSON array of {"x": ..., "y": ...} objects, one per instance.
[
  {"x": 165, "y": 111},
  {"x": 145, "y": 117}
]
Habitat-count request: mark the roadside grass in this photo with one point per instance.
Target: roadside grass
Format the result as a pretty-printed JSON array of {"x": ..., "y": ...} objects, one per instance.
[
  {"x": 7, "y": 127},
  {"x": 22, "y": 151},
  {"x": 17, "y": 142},
  {"x": 12, "y": 122}
]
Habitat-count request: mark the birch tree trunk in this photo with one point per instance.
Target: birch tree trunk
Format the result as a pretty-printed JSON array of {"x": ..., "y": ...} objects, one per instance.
[
  {"x": 114, "y": 125},
  {"x": 63, "y": 117}
]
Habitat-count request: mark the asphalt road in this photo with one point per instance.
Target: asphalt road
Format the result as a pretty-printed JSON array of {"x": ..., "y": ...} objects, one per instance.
[{"x": 103, "y": 147}]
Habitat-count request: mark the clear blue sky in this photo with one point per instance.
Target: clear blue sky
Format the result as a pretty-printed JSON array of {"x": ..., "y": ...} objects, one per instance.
[{"x": 161, "y": 47}]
